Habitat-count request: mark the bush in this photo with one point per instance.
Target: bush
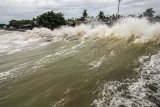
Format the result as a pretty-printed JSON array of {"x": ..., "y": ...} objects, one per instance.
[
  {"x": 149, "y": 13},
  {"x": 2, "y": 25},
  {"x": 51, "y": 20},
  {"x": 19, "y": 23}
]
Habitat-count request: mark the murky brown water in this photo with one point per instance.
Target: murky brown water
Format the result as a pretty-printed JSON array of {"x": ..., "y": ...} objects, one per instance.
[{"x": 97, "y": 73}]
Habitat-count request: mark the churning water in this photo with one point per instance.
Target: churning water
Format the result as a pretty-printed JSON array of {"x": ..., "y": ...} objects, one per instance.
[{"x": 85, "y": 66}]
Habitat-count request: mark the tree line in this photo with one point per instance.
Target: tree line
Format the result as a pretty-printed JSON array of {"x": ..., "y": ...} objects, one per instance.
[{"x": 53, "y": 20}]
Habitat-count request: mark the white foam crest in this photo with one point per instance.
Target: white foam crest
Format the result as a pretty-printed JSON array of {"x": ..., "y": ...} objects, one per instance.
[
  {"x": 15, "y": 41},
  {"x": 68, "y": 32},
  {"x": 61, "y": 33},
  {"x": 140, "y": 93},
  {"x": 41, "y": 32},
  {"x": 142, "y": 30}
]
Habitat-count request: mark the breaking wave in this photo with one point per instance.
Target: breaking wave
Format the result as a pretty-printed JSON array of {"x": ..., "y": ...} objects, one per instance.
[
  {"x": 135, "y": 30},
  {"x": 138, "y": 29}
]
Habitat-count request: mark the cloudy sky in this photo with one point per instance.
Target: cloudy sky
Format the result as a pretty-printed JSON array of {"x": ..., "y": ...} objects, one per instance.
[{"x": 27, "y": 9}]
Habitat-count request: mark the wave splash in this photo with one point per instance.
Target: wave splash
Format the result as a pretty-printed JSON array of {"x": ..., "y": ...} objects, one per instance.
[
  {"x": 131, "y": 29},
  {"x": 134, "y": 93},
  {"x": 138, "y": 29}
]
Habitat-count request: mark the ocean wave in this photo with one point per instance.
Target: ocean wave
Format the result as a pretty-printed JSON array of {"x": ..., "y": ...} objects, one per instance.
[{"x": 131, "y": 29}]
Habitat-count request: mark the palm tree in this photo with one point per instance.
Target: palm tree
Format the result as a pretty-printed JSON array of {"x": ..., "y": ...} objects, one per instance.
[
  {"x": 101, "y": 15},
  {"x": 85, "y": 14},
  {"x": 119, "y": 1}
]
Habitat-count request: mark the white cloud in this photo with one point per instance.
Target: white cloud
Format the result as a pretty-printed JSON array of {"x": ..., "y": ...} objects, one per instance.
[{"x": 20, "y": 9}]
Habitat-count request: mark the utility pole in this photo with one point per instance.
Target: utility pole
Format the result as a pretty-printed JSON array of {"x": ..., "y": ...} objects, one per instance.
[{"x": 119, "y": 1}]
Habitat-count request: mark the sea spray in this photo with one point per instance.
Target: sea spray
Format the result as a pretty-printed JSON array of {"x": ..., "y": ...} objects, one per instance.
[{"x": 142, "y": 29}]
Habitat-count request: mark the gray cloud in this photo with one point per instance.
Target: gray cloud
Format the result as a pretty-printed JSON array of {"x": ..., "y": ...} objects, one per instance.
[{"x": 27, "y": 9}]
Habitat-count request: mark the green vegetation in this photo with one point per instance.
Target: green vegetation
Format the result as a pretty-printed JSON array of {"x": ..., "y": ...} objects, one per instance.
[
  {"x": 149, "y": 13},
  {"x": 101, "y": 15},
  {"x": 51, "y": 20},
  {"x": 20, "y": 23},
  {"x": 2, "y": 25},
  {"x": 85, "y": 14},
  {"x": 158, "y": 17}
]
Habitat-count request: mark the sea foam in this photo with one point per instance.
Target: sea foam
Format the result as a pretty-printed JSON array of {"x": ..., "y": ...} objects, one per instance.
[{"x": 144, "y": 91}]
